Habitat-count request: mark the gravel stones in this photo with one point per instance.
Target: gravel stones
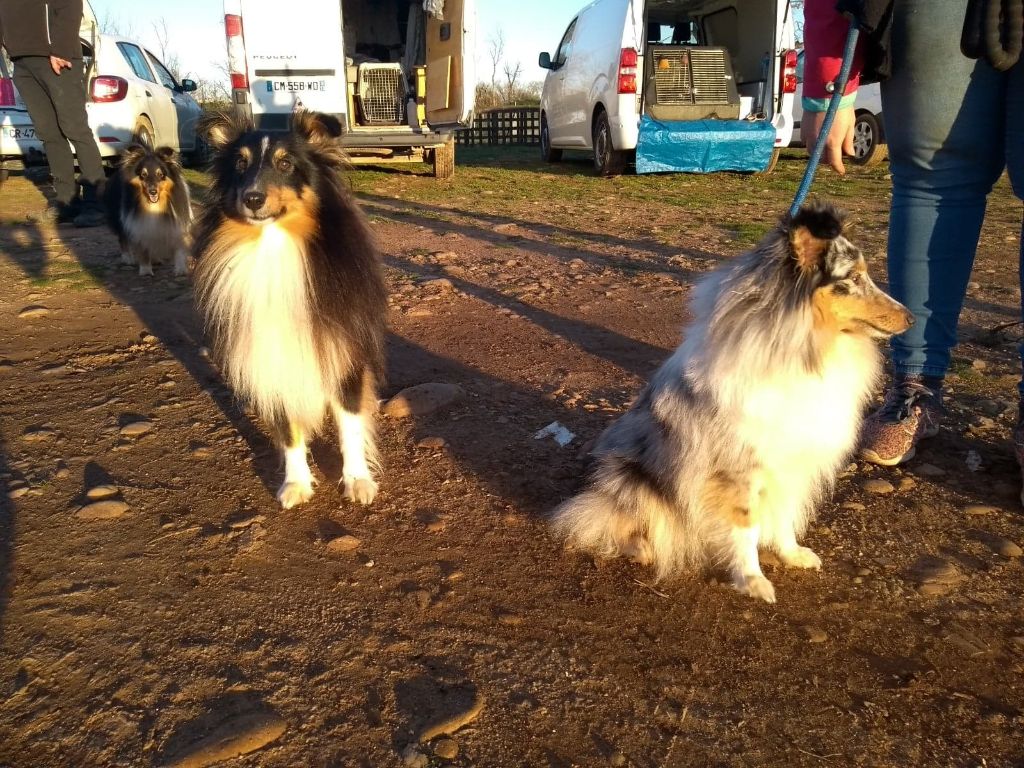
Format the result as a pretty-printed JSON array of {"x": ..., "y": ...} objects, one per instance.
[
  {"x": 422, "y": 399},
  {"x": 137, "y": 428},
  {"x": 342, "y": 544},
  {"x": 877, "y": 486},
  {"x": 33, "y": 311},
  {"x": 935, "y": 575},
  {"x": 107, "y": 509}
]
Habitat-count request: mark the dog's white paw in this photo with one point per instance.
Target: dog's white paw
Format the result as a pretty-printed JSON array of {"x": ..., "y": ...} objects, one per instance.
[
  {"x": 291, "y": 494},
  {"x": 801, "y": 557},
  {"x": 146, "y": 269},
  {"x": 757, "y": 587},
  {"x": 180, "y": 270},
  {"x": 362, "y": 490},
  {"x": 127, "y": 258}
]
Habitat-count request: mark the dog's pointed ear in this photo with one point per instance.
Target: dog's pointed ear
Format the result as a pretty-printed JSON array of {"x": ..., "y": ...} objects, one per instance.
[
  {"x": 811, "y": 231},
  {"x": 132, "y": 155},
  {"x": 315, "y": 127},
  {"x": 166, "y": 154},
  {"x": 221, "y": 129}
]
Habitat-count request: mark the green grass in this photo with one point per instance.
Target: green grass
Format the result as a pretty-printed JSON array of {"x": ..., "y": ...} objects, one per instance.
[{"x": 70, "y": 278}]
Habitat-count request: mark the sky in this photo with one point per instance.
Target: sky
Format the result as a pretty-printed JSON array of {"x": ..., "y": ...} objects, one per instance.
[{"x": 197, "y": 34}]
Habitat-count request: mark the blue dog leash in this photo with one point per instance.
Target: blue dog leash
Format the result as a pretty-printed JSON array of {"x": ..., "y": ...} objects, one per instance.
[{"x": 830, "y": 114}]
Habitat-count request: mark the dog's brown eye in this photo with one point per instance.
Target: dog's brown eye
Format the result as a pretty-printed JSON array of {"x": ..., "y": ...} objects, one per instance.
[
  {"x": 284, "y": 165},
  {"x": 241, "y": 164}
]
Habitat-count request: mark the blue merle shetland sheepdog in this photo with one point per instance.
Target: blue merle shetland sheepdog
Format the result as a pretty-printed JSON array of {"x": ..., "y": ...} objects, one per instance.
[
  {"x": 289, "y": 282},
  {"x": 149, "y": 209},
  {"x": 743, "y": 429}
]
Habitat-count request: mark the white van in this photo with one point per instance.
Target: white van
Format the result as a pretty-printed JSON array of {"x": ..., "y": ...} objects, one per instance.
[
  {"x": 398, "y": 74},
  {"x": 672, "y": 60}
]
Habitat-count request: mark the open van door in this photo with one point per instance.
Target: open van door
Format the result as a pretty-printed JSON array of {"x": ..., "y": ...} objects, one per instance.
[{"x": 451, "y": 72}]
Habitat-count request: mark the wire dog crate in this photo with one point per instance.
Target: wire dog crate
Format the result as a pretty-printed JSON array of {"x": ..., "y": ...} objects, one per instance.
[{"x": 382, "y": 94}]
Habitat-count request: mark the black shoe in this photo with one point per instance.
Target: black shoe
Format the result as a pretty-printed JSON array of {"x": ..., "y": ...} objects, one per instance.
[{"x": 89, "y": 216}]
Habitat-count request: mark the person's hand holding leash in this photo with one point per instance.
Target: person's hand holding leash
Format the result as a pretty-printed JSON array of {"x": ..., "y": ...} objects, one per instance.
[
  {"x": 839, "y": 141},
  {"x": 57, "y": 64}
]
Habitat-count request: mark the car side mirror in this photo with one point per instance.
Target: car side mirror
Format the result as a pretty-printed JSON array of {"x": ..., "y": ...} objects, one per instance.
[
  {"x": 544, "y": 61},
  {"x": 187, "y": 86}
]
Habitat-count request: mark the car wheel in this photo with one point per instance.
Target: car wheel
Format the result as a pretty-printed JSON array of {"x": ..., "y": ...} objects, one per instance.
[
  {"x": 199, "y": 156},
  {"x": 868, "y": 148},
  {"x": 548, "y": 154},
  {"x": 608, "y": 161},
  {"x": 143, "y": 133}
]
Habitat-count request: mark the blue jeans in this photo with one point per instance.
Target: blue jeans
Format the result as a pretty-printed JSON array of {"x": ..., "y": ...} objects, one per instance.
[{"x": 953, "y": 124}]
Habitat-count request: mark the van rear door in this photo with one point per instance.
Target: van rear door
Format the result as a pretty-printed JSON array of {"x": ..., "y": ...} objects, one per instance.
[
  {"x": 451, "y": 73},
  {"x": 295, "y": 56}
]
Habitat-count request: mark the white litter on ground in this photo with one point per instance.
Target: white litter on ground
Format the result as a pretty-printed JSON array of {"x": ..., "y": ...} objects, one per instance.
[{"x": 557, "y": 432}]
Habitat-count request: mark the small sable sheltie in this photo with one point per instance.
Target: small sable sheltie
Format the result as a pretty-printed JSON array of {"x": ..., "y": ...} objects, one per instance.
[
  {"x": 148, "y": 208},
  {"x": 743, "y": 429},
  {"x": 290, "y": 286}
]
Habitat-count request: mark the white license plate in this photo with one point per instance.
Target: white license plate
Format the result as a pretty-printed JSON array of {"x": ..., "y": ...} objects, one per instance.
[{"x": 24, "y": 132}]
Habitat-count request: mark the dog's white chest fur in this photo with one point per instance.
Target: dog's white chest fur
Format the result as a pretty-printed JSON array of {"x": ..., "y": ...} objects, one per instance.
[
  {"x": 815, "y": 414},
  {"x": 261, "y": 300}
]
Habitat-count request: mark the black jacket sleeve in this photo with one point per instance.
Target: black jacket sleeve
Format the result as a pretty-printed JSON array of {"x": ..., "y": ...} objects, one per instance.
[
  {"x": 64, "y": 20},
  {"x": 874, "y": 17}
]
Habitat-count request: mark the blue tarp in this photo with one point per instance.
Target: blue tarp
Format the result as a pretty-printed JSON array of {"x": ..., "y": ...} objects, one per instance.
[{"x": 703, "y": 146}]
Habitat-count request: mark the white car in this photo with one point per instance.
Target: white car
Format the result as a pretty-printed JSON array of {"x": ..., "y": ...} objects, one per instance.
[
  {"x": 132, "y": 97},
  {"x": 869, "y": 147},
  {"x": 672, "y": 60}
]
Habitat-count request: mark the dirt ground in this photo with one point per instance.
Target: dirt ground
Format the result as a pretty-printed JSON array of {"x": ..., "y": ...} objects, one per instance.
[{"x": 196, "y": 613}]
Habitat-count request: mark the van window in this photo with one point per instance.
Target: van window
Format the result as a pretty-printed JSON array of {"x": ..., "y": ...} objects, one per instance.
[
  {"x": 565, "y": 47},
  {"x": 672, "y": 33},
  {"x": 136, "y": 61}
]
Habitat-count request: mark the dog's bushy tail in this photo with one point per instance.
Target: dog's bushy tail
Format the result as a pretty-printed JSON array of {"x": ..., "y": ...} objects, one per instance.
[
  {"x": 619, "y": 517},
  {"x": 590, "y": 521}
]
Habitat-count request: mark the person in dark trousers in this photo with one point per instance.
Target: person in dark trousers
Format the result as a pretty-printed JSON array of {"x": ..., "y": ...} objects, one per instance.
[{"x": 42, "y": 40}]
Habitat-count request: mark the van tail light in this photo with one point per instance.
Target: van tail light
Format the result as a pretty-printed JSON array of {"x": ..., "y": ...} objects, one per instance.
[
  {"x": 627, "y": 70},
  {"x": 787, "y": 78},
  {"x": 236, "y": 51},
  {"x": 106, "y": 88},
  {"x": 6, "y": 92}
]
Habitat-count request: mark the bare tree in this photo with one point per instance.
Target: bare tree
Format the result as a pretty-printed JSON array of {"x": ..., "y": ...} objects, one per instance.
[
  {"x": 512, "y": 74},
  {"x": 796, "y": 7},
  {"x": 496, "y": 52},
  {"x": 163, "y": 44},
  {"x": 111, "y": 25}
]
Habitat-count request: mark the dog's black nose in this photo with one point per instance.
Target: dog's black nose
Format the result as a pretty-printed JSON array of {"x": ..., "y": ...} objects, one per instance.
[{"x": 254, "y": 200}]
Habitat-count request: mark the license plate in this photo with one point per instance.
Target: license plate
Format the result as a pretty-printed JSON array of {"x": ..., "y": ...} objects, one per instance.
[
  {"x": 25, "y": 132},
  {"x": 296, "y": 86}
]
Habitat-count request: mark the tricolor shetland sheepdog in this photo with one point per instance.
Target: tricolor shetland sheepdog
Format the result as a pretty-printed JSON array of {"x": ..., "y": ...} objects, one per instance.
[
  {"x": 744, "y": 428},
  {"x": 289, "y": 282},
  {"x": 149, "y": 209}
]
